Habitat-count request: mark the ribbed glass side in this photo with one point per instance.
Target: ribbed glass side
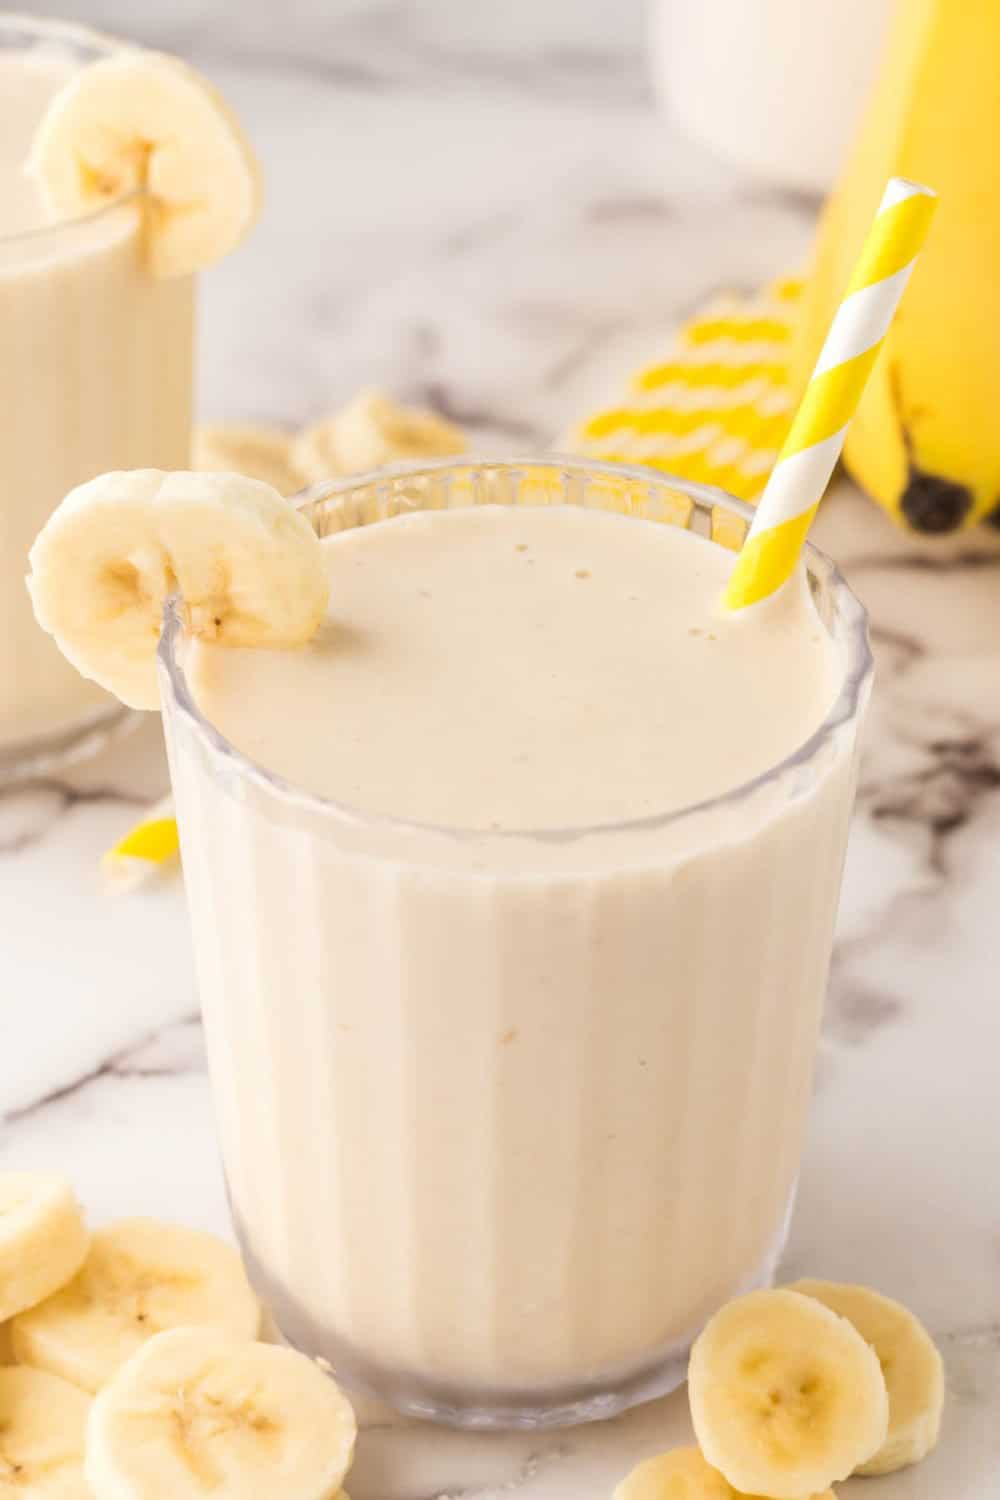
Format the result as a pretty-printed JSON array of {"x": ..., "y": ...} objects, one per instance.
[
  {"x": 95, "y": 375},
  {"x": 504, "y": 1119}
]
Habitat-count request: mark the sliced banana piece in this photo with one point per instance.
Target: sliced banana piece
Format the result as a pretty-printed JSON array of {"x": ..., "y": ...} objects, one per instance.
[
  {"x": 43, "y": 1424},
  {"x": 369, "y": 432},
  {"x": 141, "y": 122},
  {"x": 911, "y": 1367},
  {"x": 43, "y": 1239},
  {"x": 683, "y": 1474},
  {"x": 259, "y": 452},
  {"x": 248, "y": 566},
  {"x": 6, "y": 1345},
  {"x": 786, "y": 1396},
  {"x": 199, "y": 1412},
  {"x": 141, "y": 1276}
]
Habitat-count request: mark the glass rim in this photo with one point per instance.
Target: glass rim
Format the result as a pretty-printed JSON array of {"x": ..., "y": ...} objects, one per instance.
[
  {"x": 81, "y": 39},
  {"x": 844, "y": 711}
]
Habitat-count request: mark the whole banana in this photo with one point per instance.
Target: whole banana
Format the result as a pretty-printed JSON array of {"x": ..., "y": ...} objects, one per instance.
[{"x": 926, "y": 440}]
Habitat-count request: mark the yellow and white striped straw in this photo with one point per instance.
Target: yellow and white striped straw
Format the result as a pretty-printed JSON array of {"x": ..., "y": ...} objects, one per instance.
[{"x": 811, "y": 449}]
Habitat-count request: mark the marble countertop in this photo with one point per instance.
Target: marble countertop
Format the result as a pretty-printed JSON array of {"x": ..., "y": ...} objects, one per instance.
[{"x": 504, "y": 248}]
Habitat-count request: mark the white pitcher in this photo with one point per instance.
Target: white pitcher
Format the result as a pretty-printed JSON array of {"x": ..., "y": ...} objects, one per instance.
[{"x": 773, "y": 85}]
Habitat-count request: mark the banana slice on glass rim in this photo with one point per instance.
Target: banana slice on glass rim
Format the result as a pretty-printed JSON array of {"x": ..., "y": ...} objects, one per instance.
[
  {"x": 911, "y": 1367},
  {"x": 786, "y": 1396},
  {"x": 142, "y": 1276},
  {"x": 144, "y": 122},
  {"x": 683, "y": 1474},
  {"x": 198, "y": 1411},
  {"x": 43, "y": 1423},
  {"x": 43, "y": 1241},
  {"x": 248, "y": 567}
]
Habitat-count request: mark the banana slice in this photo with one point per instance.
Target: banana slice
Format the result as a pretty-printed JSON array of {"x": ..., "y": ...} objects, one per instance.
[
  {"x": 200, "y": 1412},
  {"x": 786, "y": 1397},
  {"x": 248, "y": 566},
  {"x": 140, "y": 1277},
  {"x": 683, "y": 1474},
  {"x": 259, "y": 452},
  {"x": 43, "y": 1239},
  {"x": 43, "y": 1423},
  {"x": 911, "y": 1367},
  {"x": 143, "y": 122},
  {"x": 369, "y": 432}
]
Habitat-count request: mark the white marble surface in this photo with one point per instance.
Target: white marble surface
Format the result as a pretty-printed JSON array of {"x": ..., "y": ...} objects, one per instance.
[{"x": 502, "y": 242}]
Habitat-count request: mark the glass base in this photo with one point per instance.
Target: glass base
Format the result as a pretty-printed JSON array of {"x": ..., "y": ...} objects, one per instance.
[
  {"x": 495, "y": 1409},
  {"x": 43, "y": 755}
]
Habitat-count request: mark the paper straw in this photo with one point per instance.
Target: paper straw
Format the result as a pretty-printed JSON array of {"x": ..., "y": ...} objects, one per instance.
[{"x": 811, "y": 449}]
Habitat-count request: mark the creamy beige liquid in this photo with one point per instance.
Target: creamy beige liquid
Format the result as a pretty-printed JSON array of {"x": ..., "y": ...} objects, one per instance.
[
  {"x": 530, "y": 668},
  {"x": 501, "y": 1113},
  {"x": 95, "y": 374}
]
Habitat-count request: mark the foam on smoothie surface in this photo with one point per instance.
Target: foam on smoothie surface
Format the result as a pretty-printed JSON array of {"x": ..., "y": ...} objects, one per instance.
[{"x": 522, "y": 667}]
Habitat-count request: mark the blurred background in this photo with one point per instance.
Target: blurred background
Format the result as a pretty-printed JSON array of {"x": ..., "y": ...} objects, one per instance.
[
  {"x": 498, "y": 209},
  {"x": 371, "y": 42}
]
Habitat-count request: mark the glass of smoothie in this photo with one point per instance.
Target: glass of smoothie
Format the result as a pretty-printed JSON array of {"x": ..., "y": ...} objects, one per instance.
[
  {"x": 513, "y": 896},
  {"x": 95, "y": 374}
]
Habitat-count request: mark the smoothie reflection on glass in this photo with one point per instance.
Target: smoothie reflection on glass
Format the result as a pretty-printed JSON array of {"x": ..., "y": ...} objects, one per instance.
[
  {"x": 513, "y": 896},
  {"x": 95, "y": 374}
]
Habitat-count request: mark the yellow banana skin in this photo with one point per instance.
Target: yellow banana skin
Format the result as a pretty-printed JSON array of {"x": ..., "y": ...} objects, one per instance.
[{"x": 926, "y": 439}]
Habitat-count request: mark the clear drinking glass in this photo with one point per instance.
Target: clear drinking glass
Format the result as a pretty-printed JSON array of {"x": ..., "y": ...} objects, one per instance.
[
  {"x": 506, "y": 1116},
  {"x": 95, "y": 374}
]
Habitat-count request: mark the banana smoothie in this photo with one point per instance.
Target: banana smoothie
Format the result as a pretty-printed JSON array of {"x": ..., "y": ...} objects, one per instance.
[
  {"x": 96, "y": 374},
  {"x": 512, "y": 896},
  {"x": 98, "y": 247}
]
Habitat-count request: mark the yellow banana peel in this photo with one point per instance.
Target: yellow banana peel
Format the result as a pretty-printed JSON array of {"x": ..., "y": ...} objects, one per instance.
[{"x": 926, "y": 439}]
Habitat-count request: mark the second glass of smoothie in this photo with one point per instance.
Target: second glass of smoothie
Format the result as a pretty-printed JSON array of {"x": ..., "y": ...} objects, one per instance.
[
  {"x": 513, "y": 897},
  {"x": 95, "y": 374}
]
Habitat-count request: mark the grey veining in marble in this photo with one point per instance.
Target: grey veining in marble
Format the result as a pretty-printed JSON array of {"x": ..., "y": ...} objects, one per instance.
[
  {"x": 593, "y": 48},
  {"x": 488, "y": 215}
]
